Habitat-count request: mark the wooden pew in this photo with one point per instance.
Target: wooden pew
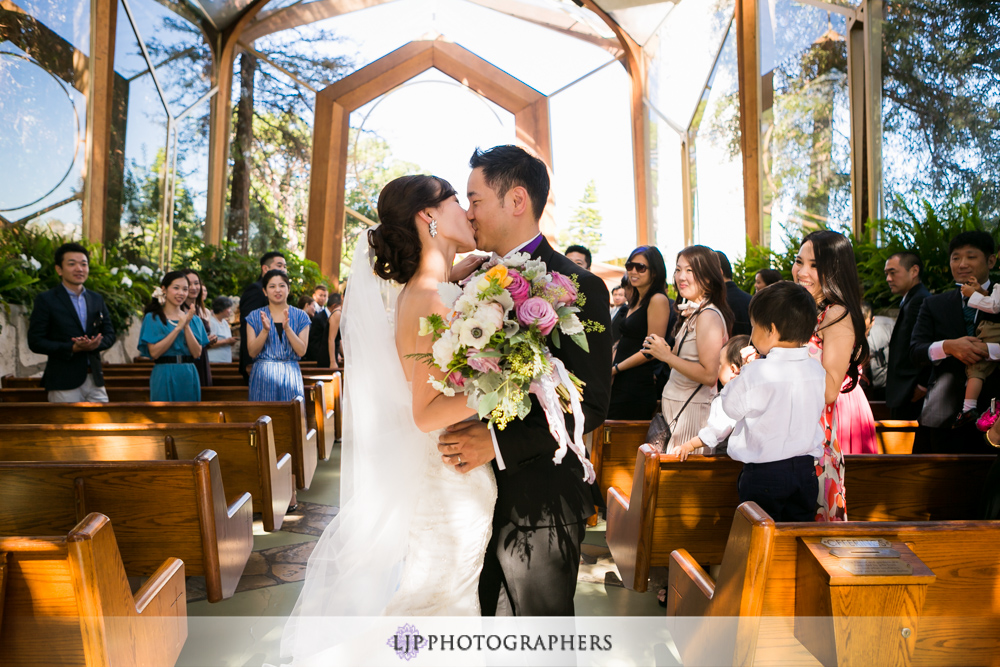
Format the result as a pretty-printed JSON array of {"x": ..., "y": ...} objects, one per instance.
[
  {"x": 613, "y": 454},
  {"x": 246, "y": 453},
  {"x": 770, "y": 578},
  {"x": 319, "y": 416},
  {"x": 690, "y": 504},
  {"x": 895, "y": 436},
  {"x": 68, "y": 602},
  {"x": 160, "y": 508},
  {"x": 291, "y": 434}
]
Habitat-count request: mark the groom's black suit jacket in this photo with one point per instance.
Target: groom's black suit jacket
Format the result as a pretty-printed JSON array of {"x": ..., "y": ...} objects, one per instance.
[{"x": 532, "y": 490}]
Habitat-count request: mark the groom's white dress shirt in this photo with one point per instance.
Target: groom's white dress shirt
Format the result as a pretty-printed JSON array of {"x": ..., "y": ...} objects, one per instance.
[{"x": 496, "y": 447}]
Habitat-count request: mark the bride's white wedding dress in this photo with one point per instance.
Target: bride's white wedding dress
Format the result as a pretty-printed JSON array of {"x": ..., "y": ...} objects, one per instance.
[
  {"x": 449, "y": 531},
  {"x": 411, "y": 534}
]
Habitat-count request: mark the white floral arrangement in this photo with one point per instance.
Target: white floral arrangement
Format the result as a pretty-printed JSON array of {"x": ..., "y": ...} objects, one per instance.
[{"x": 493, "y": 345}]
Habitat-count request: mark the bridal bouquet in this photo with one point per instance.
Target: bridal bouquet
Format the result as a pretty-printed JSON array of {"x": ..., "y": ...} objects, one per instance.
[{"x": 493, "y": 345}]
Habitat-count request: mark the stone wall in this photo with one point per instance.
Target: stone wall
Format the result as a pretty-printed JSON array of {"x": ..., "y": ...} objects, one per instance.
[{"x": 17, "y": 359}]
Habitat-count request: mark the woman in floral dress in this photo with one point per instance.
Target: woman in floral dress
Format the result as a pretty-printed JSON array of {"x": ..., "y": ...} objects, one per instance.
[{"x": 826, "y": 267}]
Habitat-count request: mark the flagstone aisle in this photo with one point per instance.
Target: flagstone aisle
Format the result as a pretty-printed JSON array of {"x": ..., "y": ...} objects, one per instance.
[{"x": 246, "y": 629}]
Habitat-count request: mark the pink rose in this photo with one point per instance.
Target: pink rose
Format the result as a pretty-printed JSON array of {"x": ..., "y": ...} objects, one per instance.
[
  {"x": 484, "y": 364},
  {"x": 561, "y": 289},
  {"x": 537, "y": 310},
  {"x": 519, "y": 288},
  {"x": 456, "y": 379}
]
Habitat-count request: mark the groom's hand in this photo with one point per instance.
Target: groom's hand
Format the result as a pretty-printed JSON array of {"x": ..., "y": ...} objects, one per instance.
[
  {"x": 466, "y": 445},
  {"x": 467, "y": 266}
]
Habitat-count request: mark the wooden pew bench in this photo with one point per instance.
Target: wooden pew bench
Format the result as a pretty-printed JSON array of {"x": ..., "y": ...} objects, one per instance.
[
  {"x": 320, "y": 417},
  {"x": 895, "y": 436},
  {"x": 159, "y": 508},
  {"x": 796, "y": 608},
  {"x": 288, "y": 421},
  {"x": 246, "y": 453},
  {"x": 690, "y": 504},
  {"x": 68, "y": 602}
]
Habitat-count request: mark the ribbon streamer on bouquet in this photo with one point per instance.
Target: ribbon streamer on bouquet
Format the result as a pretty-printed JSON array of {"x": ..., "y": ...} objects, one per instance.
[{"x": 545, "y": 389}]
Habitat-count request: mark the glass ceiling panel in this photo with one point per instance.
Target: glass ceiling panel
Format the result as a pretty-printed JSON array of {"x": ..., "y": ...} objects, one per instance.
[
  {"x": 641, "y": 21},
  {"x": 543, "y": 59},
  {"x": 67, "y": 18},
  {"x": 684, "y": 52}
]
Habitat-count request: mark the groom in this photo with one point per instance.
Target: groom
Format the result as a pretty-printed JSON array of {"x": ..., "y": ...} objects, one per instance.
[{"x": 541, "y": 510}]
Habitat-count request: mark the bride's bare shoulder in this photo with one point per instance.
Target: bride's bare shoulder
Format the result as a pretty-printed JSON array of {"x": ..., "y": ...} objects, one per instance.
[{"x": 419, "y": 300}]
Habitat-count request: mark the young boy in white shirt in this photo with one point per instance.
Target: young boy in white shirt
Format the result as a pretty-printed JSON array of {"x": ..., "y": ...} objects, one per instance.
[{"x": 776, "y": 402}]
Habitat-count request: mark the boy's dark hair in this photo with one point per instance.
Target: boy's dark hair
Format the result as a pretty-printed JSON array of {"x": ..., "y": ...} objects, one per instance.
[
  {"x": 69, "y": 247},
  {"x": 787, "y": 307},
  {"x": 979, "y": 240},
  {"x": 266, "y": 258},
  {"x": 727, "y": 268},
  {"x": 588, "y": 258},
  {"x": 320, "y": 287},
  {"x": 220, "y": 303},
  {"x": 505, "y": 167},
  {"x": 733, "y": 347}
]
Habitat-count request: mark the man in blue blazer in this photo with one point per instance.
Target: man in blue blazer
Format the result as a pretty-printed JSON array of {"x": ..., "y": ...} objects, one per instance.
[{"x": 72, "y": 326}]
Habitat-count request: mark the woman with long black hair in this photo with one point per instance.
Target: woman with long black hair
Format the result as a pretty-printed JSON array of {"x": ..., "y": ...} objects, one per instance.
[
  {"x": 650, "y": 311},
  {"x": 825, "y": 266}
]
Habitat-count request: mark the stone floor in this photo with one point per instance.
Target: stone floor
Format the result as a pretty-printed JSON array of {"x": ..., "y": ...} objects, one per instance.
[{"x": 246, "y": 629}]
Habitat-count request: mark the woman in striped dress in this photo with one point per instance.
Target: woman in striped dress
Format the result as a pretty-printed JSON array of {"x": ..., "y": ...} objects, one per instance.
[{"x": 277, "y": 336}]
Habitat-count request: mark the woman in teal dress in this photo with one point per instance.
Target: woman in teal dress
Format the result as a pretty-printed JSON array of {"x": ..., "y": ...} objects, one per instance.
[
  {"x": 173, "y": 338},
  {"x": 277, "y": 336}
]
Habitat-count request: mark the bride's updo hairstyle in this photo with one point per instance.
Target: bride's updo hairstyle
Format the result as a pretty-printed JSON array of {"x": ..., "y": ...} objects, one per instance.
[{"x": 395, "y": 243}]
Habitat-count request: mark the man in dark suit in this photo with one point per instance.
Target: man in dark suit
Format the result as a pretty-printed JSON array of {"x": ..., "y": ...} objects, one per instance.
[
  {"x": 905, "y": 382},
  {"x": 737, "y": 299},
  {"x": 539, "y": 519},
  {"x": 318, "y": 348},
  {"x": 72, "y": 326},
  {"x": 253, "y": 297},
  {"x": 944, "y": 339}
]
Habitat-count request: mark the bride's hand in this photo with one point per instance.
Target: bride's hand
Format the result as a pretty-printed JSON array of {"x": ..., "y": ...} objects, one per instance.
[{"x": 465, "y": 268}]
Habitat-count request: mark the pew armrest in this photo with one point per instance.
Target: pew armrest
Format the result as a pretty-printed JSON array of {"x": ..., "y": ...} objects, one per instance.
[
  {"x": 690, "y": 589},
  {"x": 164, "y": 593},
  {"x": 630, "y": 521}
]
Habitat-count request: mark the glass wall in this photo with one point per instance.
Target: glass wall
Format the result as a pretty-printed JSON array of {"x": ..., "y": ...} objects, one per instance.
[
  {"x": 44, "y": 46},
  {"x": 165, "y": 121},
  {"x": 941, "y": 104},
  {"x": 805, "y": 126}
]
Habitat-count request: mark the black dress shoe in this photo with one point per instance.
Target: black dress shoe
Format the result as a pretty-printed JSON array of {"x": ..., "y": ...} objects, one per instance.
[{"x": 965, "y": 418}]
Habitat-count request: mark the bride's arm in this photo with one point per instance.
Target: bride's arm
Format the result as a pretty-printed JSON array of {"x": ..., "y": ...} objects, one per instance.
[{"x": 433, "y": 410}]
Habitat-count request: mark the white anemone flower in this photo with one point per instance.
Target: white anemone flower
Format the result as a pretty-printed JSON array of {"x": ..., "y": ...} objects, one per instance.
[{"x": 476, "y": 334}]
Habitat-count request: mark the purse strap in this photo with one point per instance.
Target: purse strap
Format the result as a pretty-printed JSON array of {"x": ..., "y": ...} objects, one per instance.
[{"x": 673, "y": 422}]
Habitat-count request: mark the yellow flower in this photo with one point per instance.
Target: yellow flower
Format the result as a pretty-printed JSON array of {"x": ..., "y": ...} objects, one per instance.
[{"x": 499, "y": 272}]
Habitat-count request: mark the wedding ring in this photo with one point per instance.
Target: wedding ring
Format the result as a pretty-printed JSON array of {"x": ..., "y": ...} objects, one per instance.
[{"x": 460, "y": 459}]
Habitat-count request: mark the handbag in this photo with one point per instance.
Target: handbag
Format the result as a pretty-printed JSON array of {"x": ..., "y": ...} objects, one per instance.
[{"x": 660, "y": 431}]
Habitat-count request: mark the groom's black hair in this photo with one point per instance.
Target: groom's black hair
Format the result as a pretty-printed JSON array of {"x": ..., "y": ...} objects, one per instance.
[{"x": 505, "y": 167}]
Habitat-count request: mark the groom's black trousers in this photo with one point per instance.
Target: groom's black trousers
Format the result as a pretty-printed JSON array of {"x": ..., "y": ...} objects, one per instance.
[{"x": 536, "y": 567}]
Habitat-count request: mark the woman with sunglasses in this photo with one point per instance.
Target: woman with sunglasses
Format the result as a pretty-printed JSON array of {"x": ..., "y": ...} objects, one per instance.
[
  {"x": 705, "y": 323},
  {"x": 650, "y": 311}
]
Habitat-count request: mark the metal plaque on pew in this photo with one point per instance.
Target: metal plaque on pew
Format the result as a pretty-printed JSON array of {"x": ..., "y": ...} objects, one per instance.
[
  {"x": 876, "y": 566},
  {"x": 870, "y": 542},
  {"x": 864, "y": 552}
]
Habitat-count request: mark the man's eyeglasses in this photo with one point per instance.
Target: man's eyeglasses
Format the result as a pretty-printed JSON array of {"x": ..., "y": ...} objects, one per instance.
[{"x": 635, "y": 266}]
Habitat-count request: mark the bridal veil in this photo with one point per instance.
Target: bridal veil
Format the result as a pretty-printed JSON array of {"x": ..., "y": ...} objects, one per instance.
[{"x": 356, "y": 565}]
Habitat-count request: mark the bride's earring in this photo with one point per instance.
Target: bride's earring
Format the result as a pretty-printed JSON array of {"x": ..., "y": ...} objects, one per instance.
[{"x": 434, "y": 228}]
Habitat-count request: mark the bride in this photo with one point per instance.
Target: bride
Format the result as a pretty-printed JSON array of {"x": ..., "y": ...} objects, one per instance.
[{"x": 411, "y": 533}]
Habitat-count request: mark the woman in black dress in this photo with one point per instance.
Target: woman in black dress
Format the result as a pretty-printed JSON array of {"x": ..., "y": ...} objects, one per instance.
[{"x": 633, "y": 394}]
